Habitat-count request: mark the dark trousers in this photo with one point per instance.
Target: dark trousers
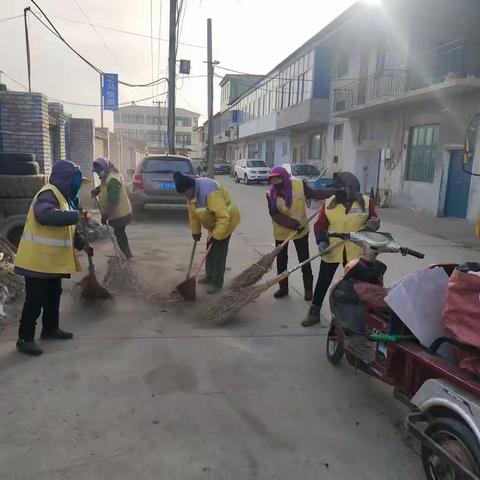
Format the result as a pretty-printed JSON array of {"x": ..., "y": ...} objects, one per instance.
[
  {"x": 119, "y": 226},
  {"x": 42, "y": 295},
  {"x": 301, "y": 245},
  {"x": 325, "y": 278},
  {"x": 216, "y": 261}
]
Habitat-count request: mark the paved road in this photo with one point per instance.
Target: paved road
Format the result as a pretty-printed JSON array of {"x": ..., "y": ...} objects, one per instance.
[{"x": 140, "y": 393}]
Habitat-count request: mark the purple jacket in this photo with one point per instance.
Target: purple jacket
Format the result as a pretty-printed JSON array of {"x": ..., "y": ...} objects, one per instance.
[{"x": 47, "y": 211}]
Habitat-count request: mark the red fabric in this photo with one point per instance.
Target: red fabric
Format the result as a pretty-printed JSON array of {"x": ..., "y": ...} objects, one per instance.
[
  {"x": 372, "y": 296},
  {"x": 321, "y": 225},
  {"x": 469, "y": 362},
  {"x": 461, "y": 310}
]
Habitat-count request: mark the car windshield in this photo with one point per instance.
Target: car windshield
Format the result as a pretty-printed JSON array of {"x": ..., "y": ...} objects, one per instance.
[
  {"x": 305, "y": 170},
  {"x": 256, "y": 163},
  {"x": 167, "y": 165}
]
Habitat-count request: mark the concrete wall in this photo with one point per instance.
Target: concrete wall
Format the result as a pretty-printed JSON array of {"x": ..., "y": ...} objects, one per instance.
[{"x": 26, "y": 115}]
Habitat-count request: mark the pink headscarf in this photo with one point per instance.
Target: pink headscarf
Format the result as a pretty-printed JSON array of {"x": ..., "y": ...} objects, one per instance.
[{"x": 283, "y": 190}]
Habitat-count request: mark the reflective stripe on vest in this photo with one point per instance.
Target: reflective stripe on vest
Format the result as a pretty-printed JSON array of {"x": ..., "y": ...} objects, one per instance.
[{"x": 46, "y": 241}]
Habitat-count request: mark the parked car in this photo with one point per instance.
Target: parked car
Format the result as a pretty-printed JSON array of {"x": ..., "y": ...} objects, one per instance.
[
  {"x": 303, "y": 171},
  {"x": 251, "y": 171},
  {"x": 222, "y": 169},
  {"x": 153, "y": 181}
]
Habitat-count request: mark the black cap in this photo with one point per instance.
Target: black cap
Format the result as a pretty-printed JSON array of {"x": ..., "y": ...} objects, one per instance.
[{"x": 183, "y": 182}]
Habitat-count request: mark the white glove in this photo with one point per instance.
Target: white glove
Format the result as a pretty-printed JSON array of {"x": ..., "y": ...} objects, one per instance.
[{"x": 322, "y": 246}]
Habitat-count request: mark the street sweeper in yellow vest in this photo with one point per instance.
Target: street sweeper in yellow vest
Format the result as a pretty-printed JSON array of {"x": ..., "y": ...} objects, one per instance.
[
  {"x": 46, "y": 254},
  {"x": 210, "y": 206},
  {"x": 114, "y": 201}
]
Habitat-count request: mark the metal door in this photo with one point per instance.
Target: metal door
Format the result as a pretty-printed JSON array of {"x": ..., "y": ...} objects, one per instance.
[{"x": 458, "y": 186}]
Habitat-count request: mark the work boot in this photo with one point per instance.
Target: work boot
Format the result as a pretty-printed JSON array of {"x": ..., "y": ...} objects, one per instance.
[
  {"x": 204, "y": 281},
  {"x": 29, "y": 347},
  {"x": 313, "y": 316},
  {"x": 58, "y": 334},
  {"x": 308, "y": 295},
  {"x": 213, "y": 289},
  {"x": 281, "y": 292}
]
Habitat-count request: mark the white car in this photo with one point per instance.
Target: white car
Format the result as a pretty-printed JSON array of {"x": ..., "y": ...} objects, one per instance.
[{"x": 250, "y": 171}]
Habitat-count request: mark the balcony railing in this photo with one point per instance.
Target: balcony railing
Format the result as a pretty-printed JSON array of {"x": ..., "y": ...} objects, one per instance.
[{"x": 428, "y": 68}]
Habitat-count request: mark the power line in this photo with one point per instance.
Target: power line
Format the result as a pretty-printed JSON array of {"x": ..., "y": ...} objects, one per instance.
[
  {"x": 2, "y": 20},
  {"x": 51, "y": 27},
  {"x": 107, "y": 48},
  {"x": 126, "y": 32}
]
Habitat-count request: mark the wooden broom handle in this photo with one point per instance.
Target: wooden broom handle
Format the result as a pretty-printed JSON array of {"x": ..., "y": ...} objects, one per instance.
[
  {"x": 192, "y": 256},
  {"x": 295, "y": 232},
  {"x": 312, "y": 258}
]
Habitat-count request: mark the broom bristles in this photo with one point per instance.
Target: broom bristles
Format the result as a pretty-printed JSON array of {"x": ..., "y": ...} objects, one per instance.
[
  {"x": 91, "y": 289},
  {"x": 256, "y": 271},
  {"x": 233, "y": 301}
]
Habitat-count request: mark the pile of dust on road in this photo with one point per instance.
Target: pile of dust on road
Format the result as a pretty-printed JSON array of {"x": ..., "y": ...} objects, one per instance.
[{"x": 170, "y": 302}]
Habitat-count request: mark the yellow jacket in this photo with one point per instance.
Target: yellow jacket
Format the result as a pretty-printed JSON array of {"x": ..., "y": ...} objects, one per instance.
[
  {"x": 212, "y": 208},
  {"x": 341, "y": 222},
  {"x": 47, "y": 249},
  {"x": 120, "y": 209},
  {"x": 297, "y": 210}
]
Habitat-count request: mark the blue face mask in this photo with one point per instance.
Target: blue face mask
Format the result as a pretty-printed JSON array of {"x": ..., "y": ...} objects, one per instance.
[{"x": 75, "y": 185}]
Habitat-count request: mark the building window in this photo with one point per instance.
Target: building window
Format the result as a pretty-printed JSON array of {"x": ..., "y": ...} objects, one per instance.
[
  {"x": 316, "y": 146},
  {"x": 338, "y": 132},
  {"x": 163, "y": 120},
  {"x": 342, "y": 65},
  {"x": 183, "y": 122},
  {"x": 285, "y": 148},
  {"x": 303, "y": 154},
  {"x": 252, "y": 151},
  {"x": 152, "y": 120},
  {"x": 366, "y": 131},
  {"x": 140, "y": 120},
  {"x": 183, "y": 139},
  {"x": 422, "y": 153}
]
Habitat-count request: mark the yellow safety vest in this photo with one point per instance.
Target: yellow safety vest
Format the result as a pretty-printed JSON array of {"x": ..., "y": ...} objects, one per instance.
[
  {"x": 341, "y": 222},
  {"x": 47, "y": 249},
  {"x": 123, "y": 207},
  {"x": 220, "y": 217},
  {"x": 297, "y": 210}
]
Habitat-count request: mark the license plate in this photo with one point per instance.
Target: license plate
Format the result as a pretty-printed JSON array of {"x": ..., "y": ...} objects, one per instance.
[{"x": 166, "y": 186}]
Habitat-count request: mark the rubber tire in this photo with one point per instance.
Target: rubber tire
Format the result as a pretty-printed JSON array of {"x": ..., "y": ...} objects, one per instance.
[
  {"x": 15, "y": 206},
  {"x": 333, "y": 357},
  {"x": 21, "y": 186},
  {"x": 246, "y": 180},
  {"x": 17, "y": 157},
  {"x": 19, "y": 168},
  {"x": 459, "y": 430},
  {"x": 237, "y": 180}
]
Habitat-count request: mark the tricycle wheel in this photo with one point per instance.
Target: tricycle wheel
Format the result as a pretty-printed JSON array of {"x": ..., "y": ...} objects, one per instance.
[
  {"x": 459, "y": 441},
  {"x": 334, "y": 348}
]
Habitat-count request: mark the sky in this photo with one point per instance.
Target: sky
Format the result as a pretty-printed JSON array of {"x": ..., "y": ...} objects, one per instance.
[{"x": 248, "y": 35}]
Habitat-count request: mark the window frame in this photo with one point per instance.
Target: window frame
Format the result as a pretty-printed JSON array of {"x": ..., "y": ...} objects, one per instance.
[
  {"x": 338, "y": 132},
  {"x": 421, "y": 160}
]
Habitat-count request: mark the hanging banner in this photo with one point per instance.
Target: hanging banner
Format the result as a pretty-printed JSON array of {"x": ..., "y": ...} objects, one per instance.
[{"x": 110, "y": 91}]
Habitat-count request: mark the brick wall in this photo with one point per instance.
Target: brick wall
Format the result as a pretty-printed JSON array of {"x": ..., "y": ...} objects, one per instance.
[
  {"x": 57, "y": 132},
  {"x": 26, "y": 115},
  {"x": 81, "y": 143}
]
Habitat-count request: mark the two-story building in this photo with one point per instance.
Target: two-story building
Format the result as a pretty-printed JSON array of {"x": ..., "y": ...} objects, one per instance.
[
  {"x": 405, "y": 82},
  {"x": 148, "y": 124}
]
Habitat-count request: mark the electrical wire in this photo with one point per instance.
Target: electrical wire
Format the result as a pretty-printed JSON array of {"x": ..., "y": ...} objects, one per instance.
[
  {"x": 51, "y": 27},
  {"x": 107, "y": 48},
  {"x": 126, "y": 32},
  {"x": 2, "y": 20}
]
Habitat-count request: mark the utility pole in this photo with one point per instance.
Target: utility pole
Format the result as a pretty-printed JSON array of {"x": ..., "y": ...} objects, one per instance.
[
  {"x": 101, "y": 100},
  {"x": 172, "y": 61},
  {"x": 210, "y": 159},
  {"x": 27, "y": 44}
]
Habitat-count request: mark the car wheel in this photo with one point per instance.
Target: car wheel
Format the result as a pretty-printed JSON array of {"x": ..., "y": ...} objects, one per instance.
[
  {"x": 246, "y": 180},
  {"x": 458, "y": 441},
  {"x": 237, "y": 180}
]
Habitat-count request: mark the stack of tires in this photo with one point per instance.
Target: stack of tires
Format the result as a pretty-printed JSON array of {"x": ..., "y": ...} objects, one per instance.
[{"x": 19, "y": 183}]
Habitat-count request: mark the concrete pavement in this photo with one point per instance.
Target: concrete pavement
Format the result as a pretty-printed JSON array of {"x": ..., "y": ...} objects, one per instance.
[{"x": 141, "y": 393}]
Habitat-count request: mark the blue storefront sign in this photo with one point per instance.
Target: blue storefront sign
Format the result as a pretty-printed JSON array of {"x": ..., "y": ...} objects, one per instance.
[{"x": 110, "y": 91}]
